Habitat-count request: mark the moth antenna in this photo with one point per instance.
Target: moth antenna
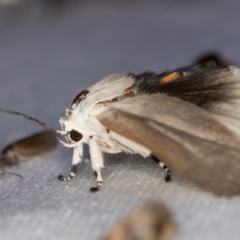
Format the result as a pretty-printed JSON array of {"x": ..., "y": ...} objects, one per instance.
[{"x": 32, "y": 119}]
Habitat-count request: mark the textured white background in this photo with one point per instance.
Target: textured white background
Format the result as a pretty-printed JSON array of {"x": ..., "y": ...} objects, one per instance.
[{"x": 47, "y": 57}]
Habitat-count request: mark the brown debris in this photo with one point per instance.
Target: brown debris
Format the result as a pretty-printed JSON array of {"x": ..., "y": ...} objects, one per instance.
[
  {"x": 12, "y": 173},
  {"x": 29, "y": 148},
  {"x": 152, "y": 221}
]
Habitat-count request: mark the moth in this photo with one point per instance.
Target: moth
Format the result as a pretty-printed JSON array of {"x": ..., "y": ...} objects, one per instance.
[
  {"x": 186, "y": 119},
  {"x": 29, "y": 148}
]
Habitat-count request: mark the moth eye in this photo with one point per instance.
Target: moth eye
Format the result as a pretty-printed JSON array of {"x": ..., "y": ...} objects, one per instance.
[{"x": 75, "y": 136}]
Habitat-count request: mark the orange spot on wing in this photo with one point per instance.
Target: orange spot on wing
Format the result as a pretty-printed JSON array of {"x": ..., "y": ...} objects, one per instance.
[
  {"x": 170, "y": 77},
  {"x": 128, "y": 92}
]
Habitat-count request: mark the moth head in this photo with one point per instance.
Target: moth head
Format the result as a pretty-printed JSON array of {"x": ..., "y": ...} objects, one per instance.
[{"x": 70, "y": 132}]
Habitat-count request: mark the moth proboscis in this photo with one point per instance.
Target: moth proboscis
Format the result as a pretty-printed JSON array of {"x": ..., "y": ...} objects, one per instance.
[{"x": 186, "y": 119}]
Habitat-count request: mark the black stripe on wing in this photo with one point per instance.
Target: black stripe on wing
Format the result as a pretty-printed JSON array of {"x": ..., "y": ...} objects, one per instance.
[{"x": 201, "y": 84}]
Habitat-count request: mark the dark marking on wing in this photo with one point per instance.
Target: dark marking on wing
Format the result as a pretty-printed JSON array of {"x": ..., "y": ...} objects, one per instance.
[
  {"x": 80, "y": 97},
  {"x": 128, "y": 92},
  {"x": 201, "y": 84},
  {"x": 150, "y": 82}
]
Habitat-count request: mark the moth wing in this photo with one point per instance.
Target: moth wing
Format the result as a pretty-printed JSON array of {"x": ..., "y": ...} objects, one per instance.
[
  {"x": 184, "y": 136},
  {"x": 227, "y": 109},
  {"x": 215, "y": 89}
]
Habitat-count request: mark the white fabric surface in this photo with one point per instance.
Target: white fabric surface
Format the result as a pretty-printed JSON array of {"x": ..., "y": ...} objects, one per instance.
[{"x": 47, "y": 58}]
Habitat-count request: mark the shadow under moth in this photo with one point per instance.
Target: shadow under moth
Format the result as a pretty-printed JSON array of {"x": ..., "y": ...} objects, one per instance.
[{"x": 186, "y": 119}]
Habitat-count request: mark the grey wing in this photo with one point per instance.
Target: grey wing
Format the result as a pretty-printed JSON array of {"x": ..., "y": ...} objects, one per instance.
[
  {"x": 183, "y": 135},
  {"x": 227, "y": 108},
  {"x": 215, "y": 89}
]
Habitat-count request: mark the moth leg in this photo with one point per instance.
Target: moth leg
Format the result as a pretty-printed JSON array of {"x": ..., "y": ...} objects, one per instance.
[
  {"x": 97, "y": 163},
  {"x": 99, "y": 180},
  {"x": 168, "y": 177},
  {"x": 76, "y": 160}
]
